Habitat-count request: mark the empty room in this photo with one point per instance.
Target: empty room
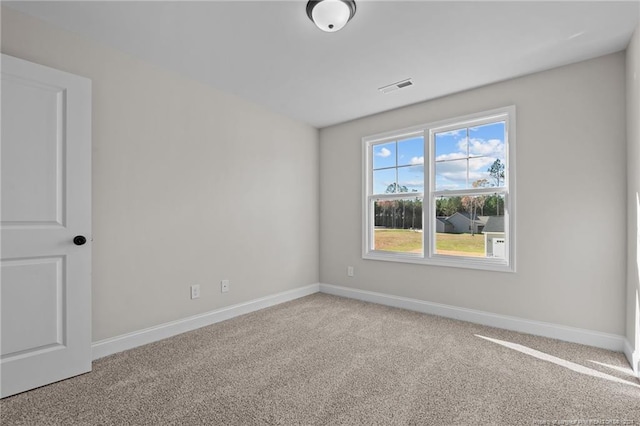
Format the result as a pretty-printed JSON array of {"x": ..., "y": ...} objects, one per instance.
[{"x": 325, "y": 212}]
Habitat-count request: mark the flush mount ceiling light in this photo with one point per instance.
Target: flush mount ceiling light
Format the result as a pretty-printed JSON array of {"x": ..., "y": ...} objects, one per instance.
[{"x": 331, "y": 15}]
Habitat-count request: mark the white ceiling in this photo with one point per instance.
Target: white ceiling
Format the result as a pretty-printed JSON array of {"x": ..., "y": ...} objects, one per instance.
[{"x": 270, "y": 53}]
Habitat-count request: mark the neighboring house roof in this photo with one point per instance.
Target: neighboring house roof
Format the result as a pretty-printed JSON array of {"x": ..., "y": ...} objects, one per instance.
[
  {"x": 480, "y": 219},
  {"x": 463, "y": 214},
  {"x": 443, "y": 220},
  {"x": 494, "y": 224}
]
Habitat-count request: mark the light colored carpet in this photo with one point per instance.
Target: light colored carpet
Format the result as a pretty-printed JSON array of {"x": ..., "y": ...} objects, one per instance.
[{"x": 328, "y": 360}]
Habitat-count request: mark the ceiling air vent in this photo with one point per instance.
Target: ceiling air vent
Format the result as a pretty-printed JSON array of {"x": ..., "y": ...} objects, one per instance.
[{"x": 396, "y": 86}]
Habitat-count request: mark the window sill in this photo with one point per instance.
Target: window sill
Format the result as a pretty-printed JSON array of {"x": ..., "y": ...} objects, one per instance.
[{"x": 489, "y": 264}]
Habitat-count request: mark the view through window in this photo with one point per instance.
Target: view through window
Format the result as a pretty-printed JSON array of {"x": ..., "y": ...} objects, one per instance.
[
  {"x": 441, "y": 193},
  {"x": 398, "y": 182}
]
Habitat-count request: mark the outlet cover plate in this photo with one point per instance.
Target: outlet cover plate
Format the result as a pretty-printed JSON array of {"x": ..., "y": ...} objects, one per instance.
[{"x": 195, "y": 291}]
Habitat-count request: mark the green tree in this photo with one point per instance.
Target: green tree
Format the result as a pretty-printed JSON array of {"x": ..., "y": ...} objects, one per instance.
[
  {"x": 396, "y": 213},
  {"x": 469, "y": 205},
  {"x": 454, "y": 204},
  {"x": 496, "y": 171},
  {"x": 448, "y": 206},
  {"x": 394, "y": 188},
  {"x": 491, "y": 205},
  {"x": 440, "y": 204},
  {"x": 480, "y": 200}
]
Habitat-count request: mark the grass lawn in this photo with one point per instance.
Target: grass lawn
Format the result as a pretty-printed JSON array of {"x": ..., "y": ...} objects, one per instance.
[
  {"x": 460, "y": 244},
  {"x": 401, "y": 240},
  {"x": 408, "y": 241}
]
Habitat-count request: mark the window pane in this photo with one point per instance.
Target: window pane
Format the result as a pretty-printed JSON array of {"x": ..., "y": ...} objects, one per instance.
[
  {"x": 411, "y": 151},
  {"x": 487, "y": 143},
  {"x": 411, "y": 179},
  {"x": 398, "y": 225},
  {"x": 384, "y": 181},
  {"x": 471, "y": 226},
  {"x": 487, "y": 133},
  {"x": 451, "y": 175},
  {"x": 482, "y": 174},
  {"x": 384, "y": 155},
  {"x": 451, "y": 145},
  {"x": 492, "y": 170},
  {"x": 485, "y": 150}
]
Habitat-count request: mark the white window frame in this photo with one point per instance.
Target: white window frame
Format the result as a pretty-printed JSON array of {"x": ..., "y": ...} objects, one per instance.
[{"x": 428, "y": 256}]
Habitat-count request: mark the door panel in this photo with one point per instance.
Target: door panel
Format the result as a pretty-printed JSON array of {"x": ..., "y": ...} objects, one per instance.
[
  {"x": 32, "y": 295},
  {"x": 45, "y": 279}
]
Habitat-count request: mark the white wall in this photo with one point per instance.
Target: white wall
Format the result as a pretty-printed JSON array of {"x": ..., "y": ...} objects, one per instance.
[
  {"x": 190, "y": 186},
  {"x": 570, "y": 185},
  {"x": 633, "y": 194}
]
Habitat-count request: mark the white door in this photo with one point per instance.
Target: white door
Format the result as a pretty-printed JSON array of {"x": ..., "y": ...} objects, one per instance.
[{"x": 45, "y": 279}]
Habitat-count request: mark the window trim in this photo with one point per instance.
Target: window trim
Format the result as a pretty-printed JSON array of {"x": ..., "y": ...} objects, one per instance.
[{"x": 428, "y": 255}]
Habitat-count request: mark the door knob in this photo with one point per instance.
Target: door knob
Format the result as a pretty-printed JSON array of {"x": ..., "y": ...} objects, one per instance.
[{"x": 79, "y": 240}]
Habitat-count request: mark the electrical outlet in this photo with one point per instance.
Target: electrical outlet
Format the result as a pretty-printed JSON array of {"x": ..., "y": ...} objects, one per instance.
[
  {"x": 195, "y": 291},
  {"x": 224, "y": 286},
  {"x": 349, "y": 271}
]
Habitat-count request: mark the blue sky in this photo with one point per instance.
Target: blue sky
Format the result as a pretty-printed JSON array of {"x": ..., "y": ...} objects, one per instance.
[
  {"x": 408, "y": 156},
  {"x": 462, "y": 157}
]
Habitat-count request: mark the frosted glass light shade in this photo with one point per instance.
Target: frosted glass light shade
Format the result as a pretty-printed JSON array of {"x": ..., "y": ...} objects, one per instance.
[{"x": 331, "y": 15}]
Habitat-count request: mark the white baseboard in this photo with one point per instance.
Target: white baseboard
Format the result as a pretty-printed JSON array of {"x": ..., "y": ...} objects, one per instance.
[
  {"x": 127, "y": 341},
  {"x": 633, "y": 357},
  {"x": 121, "y": 343},
  {"x": 569, "y": 334}
]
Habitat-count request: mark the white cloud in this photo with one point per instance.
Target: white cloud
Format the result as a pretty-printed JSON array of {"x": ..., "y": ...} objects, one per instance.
[
  {"x": 451, "y": 156},
  {"x": 462, "y": 145},
  {"x": 415, "y": 161},
  {"x": 480, "y": 164},
  {"x": 412, "y": 183},
  {"x": 448, "y": 187},
  {"x": 482, "y": 153},
  {"x": 491, "y": 148},
  {"x": 451, "y": 167},
  {"x": 456, "y": 132},
  {"x": 453, "y": 174},
  {"x": 384, "y": 153}
]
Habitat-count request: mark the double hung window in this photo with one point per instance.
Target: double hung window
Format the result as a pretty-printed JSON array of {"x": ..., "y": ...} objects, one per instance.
[{"x": 442, "y": 193}]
